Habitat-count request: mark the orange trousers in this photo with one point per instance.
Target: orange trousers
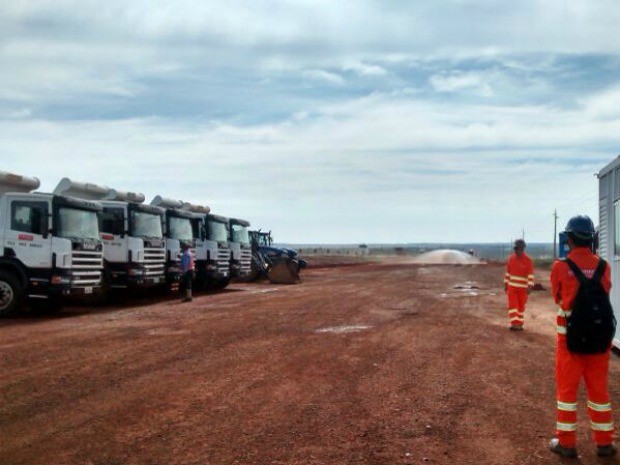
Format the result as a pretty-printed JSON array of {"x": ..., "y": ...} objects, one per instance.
[
  {"x": 517, "y": 298},
  {"x": 570, "y": 368}
]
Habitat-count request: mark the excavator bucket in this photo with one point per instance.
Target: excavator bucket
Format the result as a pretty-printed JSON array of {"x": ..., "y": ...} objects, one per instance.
[{"x": 284, "y": 271}]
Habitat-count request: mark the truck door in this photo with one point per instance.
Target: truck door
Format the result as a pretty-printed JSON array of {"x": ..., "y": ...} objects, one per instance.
[
  {"x": 113, "y": 227},
  {"x": 28, "y": 233}
]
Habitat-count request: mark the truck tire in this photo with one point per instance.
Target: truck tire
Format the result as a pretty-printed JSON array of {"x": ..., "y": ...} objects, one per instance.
[{"x": 11, "y": 294}]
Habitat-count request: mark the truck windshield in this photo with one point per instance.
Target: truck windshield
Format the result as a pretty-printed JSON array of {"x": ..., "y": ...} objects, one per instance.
[
  {"x": 180, "y": 228},
  {"x": 146, "y": 225},
  {"x": 217, "y": 231},
  {"x": 263, "y": 240},
  {"x": 240, "y": 234},
  {"x": 81, "y": 224}
]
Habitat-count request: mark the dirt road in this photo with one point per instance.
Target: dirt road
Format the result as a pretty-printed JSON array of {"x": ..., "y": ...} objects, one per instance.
[{"x": 366, "y": 364}]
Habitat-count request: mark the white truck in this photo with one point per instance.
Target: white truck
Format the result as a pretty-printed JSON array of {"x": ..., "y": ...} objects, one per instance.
[
  {"x": 212, "y": 251},
  {"x": 132, "y": 235},
  {"x": 50, "y": 246},
  {"x": 181, "y": 226},
  {"x": 218, "y": 251},
  {"x": 240, "y": 248}
]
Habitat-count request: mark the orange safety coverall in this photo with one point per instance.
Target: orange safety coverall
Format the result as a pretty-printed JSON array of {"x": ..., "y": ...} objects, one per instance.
[
  {"x": 571, "y": 367},
  {"x": 518, "y": 280}
]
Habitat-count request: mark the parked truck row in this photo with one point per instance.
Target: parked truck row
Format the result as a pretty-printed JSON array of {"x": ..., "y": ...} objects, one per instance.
[{"x": 85, "y": 239}]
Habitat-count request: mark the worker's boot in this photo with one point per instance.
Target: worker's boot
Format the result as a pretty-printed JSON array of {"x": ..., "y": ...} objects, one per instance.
[
  {"x": 516, "y": 327},
  {"x": 557, "y": 448},
  {"x": 188, "y": 295},
  {"x": 606, "y": 451}
]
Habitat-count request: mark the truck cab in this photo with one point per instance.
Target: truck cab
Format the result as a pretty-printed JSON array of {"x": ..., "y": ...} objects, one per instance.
[
  {"x": 179, "y": 228},
  {"x": 240, "y": 248},
  {"x": 134, "y": 244},
  {"x": 132, "y": 235},
  {"x": 218, "y": 251},
  {"x": 201, "y": 250},
  {"x": 51, "y": 249}
]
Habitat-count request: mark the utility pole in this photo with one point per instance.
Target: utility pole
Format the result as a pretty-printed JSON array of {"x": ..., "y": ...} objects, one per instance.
[
  {"x": 555, "y": 234},
  {"x": 523, "y": 234}
]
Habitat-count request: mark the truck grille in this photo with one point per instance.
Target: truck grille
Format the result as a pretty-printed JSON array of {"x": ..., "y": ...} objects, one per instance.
[
  {"x": 154, "y": 261},
  {"x": 223, "y": 260},
  {"x": 246, "y": 260},
  {"x": 86, "y": 268}
]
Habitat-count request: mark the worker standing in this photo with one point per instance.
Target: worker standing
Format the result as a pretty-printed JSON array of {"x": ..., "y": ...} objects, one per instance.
[
  {"x": 518, "y": 282},
  {"x": 187, "y": 271},
  {"x": 586, "y": 327}
]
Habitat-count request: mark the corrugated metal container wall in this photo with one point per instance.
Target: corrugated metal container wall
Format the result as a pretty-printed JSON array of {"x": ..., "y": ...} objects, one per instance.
[{"x": 609, "y": 229}]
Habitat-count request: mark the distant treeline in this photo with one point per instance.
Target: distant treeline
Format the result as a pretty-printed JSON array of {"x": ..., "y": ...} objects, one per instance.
[{"x": 491, "y": 251}]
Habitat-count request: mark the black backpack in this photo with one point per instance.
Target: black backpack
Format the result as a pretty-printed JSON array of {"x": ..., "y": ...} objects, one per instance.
[{"x": 591, "y": 326}]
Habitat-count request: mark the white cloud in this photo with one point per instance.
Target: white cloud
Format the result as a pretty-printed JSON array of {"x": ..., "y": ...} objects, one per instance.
[
  {"x": 604, "y": 105},
  {"x": 324, "y": 76},
  {"x": 364, "y": 69},
  {"x": 457, "y": 81},
  {"x": 399, "y": 160}
]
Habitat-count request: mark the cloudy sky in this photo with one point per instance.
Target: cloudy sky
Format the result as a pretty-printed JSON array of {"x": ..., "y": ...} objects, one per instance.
[{"x": 349, "y": 121}]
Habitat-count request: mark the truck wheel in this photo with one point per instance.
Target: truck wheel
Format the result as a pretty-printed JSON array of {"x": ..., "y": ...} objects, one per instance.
[{"x": 11, "y": 294}]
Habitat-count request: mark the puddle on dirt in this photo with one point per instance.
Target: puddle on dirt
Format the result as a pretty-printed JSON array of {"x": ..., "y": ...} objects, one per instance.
[
  {"x": 343, "y": 329},
  {"x": 258, "y": 291},
  {"x": 469, "y": 285},
  {"x": 166, "y": 332},
  {"x": 460, "y": 294}
]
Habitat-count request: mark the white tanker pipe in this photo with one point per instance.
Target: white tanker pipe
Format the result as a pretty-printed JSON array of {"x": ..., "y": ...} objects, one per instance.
[
  {"x": 122, "y": 196},
  {"x": 10, "y": 182},
  {"x": 82, "y": 190},
  {"x": 163, "y": 202},
  {"x": 190, "y": 207}
]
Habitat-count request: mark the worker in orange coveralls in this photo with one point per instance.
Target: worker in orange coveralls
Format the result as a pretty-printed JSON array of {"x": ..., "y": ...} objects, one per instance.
[
  {"x": 518, "y": 282},
  {"x": 571, "y": 366}
]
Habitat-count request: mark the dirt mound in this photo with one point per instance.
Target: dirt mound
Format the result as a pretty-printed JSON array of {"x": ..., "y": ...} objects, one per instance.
[{"x": 446, "y": 257}]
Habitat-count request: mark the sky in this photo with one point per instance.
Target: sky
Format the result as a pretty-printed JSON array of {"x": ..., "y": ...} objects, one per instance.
[{"x": 392, "y": 121}]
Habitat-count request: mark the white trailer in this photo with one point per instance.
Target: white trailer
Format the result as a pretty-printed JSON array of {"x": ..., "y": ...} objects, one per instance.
[
  {"x": 609, "y": 229},
  {"x": 240, "y": 248},
  {"x": 132, "y": 235},
  {"x": 50, "y": 246}
]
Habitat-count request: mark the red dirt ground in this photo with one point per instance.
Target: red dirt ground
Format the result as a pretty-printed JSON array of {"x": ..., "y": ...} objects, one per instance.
[{"x": 266, "y": 374}]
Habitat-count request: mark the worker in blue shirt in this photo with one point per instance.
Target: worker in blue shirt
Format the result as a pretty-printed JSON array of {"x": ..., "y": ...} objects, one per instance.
[{"x": 187, "y": 271}]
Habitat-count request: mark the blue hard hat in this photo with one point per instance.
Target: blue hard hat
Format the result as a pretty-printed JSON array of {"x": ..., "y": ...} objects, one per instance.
[{"x": 581, "y": 226}]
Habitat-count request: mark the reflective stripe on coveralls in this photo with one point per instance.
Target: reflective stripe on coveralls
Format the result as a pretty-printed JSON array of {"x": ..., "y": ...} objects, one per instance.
[
  {"x": 561, "y": 320},
  {"x": 517, "y": 281}
]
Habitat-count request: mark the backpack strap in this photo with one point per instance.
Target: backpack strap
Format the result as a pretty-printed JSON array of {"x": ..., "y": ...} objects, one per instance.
[
  {"x": 600, "y": 270},
  {"x": 577, "y": 271}
]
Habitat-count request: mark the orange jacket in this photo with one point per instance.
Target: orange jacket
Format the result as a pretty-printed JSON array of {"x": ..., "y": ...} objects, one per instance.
[
  {"x": 519, "y": 271},
  {"x": 564, "y": 285}
]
